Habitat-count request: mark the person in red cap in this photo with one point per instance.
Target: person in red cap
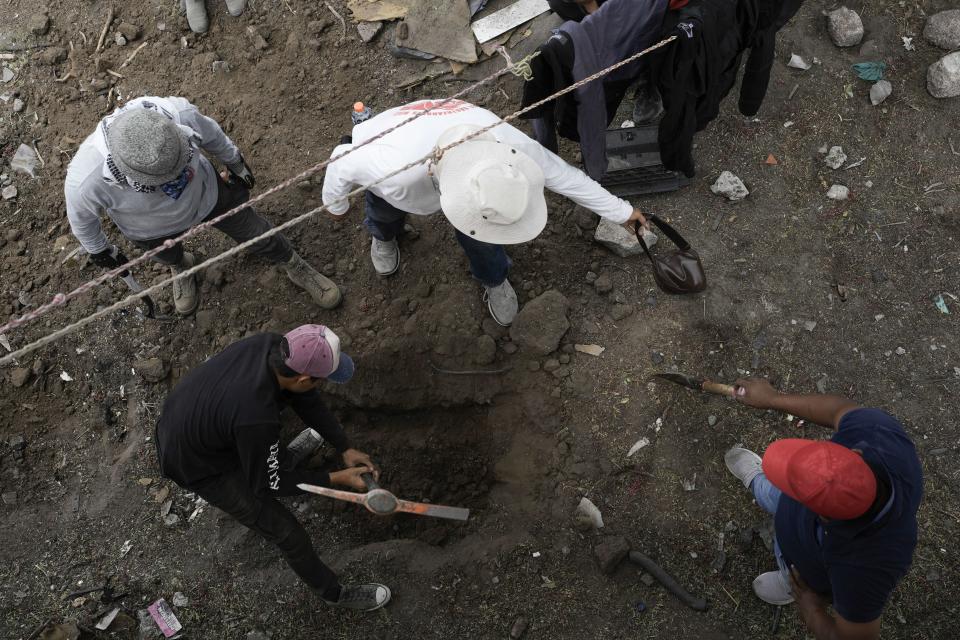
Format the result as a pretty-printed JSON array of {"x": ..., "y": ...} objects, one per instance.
[
  {"x": 219, "y": 436},
  {"x": 845, "y": 510}
]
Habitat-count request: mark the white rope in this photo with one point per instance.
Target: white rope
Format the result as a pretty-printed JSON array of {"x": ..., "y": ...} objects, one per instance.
[{"x": 71, "y": 328}]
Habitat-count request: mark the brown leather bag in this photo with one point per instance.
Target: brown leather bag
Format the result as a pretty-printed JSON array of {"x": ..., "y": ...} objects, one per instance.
[{"x": 680, "y": 271}]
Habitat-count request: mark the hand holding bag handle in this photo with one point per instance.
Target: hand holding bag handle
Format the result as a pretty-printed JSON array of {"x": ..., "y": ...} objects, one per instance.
[{"x": 679, "y": 272}]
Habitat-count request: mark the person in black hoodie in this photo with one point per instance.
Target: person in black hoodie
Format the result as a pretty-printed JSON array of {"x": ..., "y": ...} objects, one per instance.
[
  {"x": 219, "y": 436},
  {"x": 699, "y": 69}
]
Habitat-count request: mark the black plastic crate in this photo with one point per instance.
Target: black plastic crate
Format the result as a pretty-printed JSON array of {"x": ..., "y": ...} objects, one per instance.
[{"x": 633, "y": 163}]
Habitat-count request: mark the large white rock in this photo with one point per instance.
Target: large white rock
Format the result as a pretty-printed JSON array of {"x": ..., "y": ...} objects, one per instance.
[
  {"x": 730, "y": 186},
  {"x": 621, "y": 241},
  {"x": 943, "y": 29},
  {"x": 943, "y": 76},
  {"x": 845, "y": 27}
]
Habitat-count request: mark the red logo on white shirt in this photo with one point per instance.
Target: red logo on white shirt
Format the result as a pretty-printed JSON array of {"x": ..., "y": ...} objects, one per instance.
[{"x": 438, "y": 107}]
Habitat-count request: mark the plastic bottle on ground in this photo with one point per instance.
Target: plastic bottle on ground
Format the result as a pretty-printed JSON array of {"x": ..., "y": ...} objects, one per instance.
[{"x": 360, "y": 113}]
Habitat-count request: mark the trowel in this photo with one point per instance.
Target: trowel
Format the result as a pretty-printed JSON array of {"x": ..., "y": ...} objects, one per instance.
[
  {"x": 699, "y": 384},
  {"x": 383, "y": 503}
]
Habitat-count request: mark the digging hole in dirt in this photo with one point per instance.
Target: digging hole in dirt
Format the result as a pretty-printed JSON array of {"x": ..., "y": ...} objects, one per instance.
[{"x": 441, "y": 456}]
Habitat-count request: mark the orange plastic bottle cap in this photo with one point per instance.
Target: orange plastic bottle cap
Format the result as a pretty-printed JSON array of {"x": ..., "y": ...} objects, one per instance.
[{"x": 358, "y": 106}]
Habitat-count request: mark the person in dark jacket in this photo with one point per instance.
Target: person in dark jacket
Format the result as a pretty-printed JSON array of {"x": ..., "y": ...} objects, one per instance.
[
  {"x": 575, "y": 10},
  {"x": 219, "y": 436},
  {"x": 699, "y": 69},
  {"x": 593, "y": 38},
  {"x": 845, "y": 510}
]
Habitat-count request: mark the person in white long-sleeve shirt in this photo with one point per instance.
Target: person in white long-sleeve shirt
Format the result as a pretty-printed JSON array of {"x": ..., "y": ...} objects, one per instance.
[
  {"x": 490, "y": 188},
  {"x": 144, "y": 168}
]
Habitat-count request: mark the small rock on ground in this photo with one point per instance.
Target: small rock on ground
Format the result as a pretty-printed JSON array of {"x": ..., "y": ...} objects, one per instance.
[
  {"x": 621, "y": 241},
  {"x": 19, "y": 376},
  {"x": 610, "y": 552},
  {"x": 943, "y": 76},
  {"x": 730, "y": 187},
  {"x": 880, "y": 91},
  {"x": 52, "y": 55},
  {"x": 519, "y": 628},
  {"x": 129, "y": 31},
  {"x": 943, "y": 29},
  {"x": 835, "y": 158},
  {"x": 621, "y": 311},
  {"x": 369, "y": 30},
  {"x": 603, "y": 284},
  {"x": 838, "y": 192},
  {"x": 39, "y": 24},
  {"x": 845, "y": 27},
  {"x": 151, "y": 369},
  {"x": 584, "y": 218}
]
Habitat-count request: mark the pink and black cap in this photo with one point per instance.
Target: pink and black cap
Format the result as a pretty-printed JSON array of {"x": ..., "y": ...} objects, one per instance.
[{"x": 315, "y": 352}]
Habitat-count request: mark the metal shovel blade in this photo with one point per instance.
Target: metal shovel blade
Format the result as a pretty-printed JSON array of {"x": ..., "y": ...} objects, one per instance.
[
  {"x": 435, "y": 510},
  {"x": 697, "y": 384}
]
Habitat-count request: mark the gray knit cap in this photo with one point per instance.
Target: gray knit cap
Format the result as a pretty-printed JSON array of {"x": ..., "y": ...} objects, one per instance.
[{"x": 148, "y": 147}]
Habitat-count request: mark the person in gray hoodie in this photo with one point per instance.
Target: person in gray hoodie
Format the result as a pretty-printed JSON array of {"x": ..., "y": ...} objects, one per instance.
[{"x": 144, "y": 168}]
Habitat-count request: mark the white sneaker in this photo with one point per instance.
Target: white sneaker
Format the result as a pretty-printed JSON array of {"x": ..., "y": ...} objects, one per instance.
[
  {"x": 236, "y": 7},
  {"x": 196, "y": 15},
  {"x": 385, "y": 256},
  {"x": 502, "y": 302},
  {"x": 772, "y": 588},
  {"x": 744, "y": 464},
  {"x": 363, "y": 597}
]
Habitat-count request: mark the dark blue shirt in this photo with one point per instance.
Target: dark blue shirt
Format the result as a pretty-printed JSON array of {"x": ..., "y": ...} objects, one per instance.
[{"x": 859, "y": 561}]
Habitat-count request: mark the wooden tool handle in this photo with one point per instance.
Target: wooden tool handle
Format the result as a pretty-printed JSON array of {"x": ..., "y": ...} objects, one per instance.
[
  {"x": 718, "y": 388},
  {"x": 369, "y": 481}
]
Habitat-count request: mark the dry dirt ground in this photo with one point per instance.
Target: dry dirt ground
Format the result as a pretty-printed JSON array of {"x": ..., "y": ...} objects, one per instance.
[{"x": 82, "y": 495}]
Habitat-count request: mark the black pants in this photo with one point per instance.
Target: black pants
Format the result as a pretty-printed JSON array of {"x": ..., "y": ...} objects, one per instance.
[
  {"x": 241, "y": 226},
  {"x": 273, "y": 521}
]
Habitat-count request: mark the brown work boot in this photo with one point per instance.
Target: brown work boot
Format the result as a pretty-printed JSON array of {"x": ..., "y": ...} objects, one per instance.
[
  {"x": 321, "y": 288},
  {"x": 185, "y": 295}
]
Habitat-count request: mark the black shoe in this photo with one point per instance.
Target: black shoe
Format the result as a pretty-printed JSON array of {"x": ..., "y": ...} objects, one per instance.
[{"x": 362, "y": 597}]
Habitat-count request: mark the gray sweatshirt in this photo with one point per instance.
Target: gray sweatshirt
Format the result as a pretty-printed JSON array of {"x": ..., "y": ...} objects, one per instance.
[{"x": 90, "y": 189}]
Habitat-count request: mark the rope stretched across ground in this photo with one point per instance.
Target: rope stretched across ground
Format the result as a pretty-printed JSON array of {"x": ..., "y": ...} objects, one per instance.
[{"x": 59, "y": 333}]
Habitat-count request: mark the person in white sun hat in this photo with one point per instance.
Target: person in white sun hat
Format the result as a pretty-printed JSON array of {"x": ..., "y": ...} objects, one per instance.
[{"x": 490, "y": 188}]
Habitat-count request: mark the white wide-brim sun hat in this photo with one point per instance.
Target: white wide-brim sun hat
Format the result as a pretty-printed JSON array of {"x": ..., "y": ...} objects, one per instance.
[{"x": 489, "y": 190}]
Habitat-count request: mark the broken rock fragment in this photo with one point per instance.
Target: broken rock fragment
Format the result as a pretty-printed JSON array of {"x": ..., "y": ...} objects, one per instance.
[
  {"x": 730, "y": 186},
  {"x": 836, "y": 157}
]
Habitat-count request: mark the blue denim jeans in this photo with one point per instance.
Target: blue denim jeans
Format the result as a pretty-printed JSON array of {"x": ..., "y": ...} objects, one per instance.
[
  {"x": 768, "y": 497},
  {"x": 488, "y": 262}
]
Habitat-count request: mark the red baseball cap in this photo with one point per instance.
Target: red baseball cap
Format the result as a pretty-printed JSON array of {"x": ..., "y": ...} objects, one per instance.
[{"x": 827, "y": 478}]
